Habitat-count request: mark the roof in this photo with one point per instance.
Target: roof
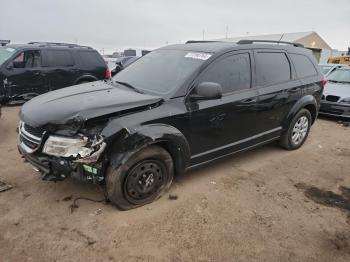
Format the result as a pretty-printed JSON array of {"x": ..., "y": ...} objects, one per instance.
[
  {"x": 208, "y": 47},
  {"x": 219, "y": 47},
  {"x": 43, "y": 45}
]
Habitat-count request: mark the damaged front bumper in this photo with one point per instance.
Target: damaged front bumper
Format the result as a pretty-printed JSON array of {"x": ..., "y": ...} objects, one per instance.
[{"x": 90, "y": 167}]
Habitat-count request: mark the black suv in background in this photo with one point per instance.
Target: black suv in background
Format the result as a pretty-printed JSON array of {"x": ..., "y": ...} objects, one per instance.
[
  {"x": 37, "y": 67},
  {"x": 178, "y": 107}
]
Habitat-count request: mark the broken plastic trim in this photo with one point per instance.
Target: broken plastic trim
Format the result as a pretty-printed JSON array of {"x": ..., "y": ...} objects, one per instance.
[{"x": 94, "y": 156}]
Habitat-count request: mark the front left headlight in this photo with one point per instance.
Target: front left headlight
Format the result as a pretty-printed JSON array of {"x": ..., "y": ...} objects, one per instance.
[{"x": 66, "y": 147}]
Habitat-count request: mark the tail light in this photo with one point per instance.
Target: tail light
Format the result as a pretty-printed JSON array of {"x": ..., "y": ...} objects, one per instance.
[
  {"x": 324, "y": 82},
  {"x": 107, "y": 74}
]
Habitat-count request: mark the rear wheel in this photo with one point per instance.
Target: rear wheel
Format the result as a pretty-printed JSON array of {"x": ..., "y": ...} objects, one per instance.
[
  {"x": 142, "y": 179},
  {"x": 298, "y": 130}
]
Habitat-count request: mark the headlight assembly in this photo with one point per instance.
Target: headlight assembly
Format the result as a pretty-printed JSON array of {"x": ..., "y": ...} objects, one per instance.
[{"x": 67, "y": 147}]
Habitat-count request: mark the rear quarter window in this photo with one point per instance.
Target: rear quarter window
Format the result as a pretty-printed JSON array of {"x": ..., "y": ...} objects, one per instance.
[
  {"x": 303, "y": 65},
  {"x": 58, "y": 58},
  {"x": 91, "y": 59},
  {"x": 272, "y": 68}
]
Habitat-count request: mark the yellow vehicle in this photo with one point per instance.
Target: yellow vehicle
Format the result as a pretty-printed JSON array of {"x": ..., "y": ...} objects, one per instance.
[{"x": 344, "y": 59}]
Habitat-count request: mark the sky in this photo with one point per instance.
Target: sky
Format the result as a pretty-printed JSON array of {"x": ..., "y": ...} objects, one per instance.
[{"x": 110, "y": 25}]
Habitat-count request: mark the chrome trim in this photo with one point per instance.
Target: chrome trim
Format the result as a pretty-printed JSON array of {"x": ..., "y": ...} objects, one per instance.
[
  {"x": 22, "y": 133},
  {"x": 26, "y": 148},
  {"x": 237, "y": 142},
  {"x": 30, "y": 136}
]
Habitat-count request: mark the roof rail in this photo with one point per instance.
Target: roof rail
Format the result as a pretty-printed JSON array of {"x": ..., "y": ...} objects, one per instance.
[
  {"x": 247, "y": 42},
  {"x": 58, "y": 44},
  {"x": 200, "y": 41}
]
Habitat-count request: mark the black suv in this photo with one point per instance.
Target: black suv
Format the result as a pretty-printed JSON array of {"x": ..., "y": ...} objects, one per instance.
[
  {"x": 38, "y": 67},
  {"x": 176, "y": 108}
]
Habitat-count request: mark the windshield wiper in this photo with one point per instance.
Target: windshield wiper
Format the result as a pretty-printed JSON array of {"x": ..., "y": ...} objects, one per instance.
[
  {"x": 334, "y": 81},
  {"x": 129, "y": 86}
]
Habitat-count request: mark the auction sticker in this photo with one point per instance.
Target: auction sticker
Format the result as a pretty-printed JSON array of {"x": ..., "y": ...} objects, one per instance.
[{"x": 197, "y": 55}]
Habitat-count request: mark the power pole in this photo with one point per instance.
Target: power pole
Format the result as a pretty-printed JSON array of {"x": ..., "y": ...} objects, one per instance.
[
  {"x": 203, "y": 34},
  {"x": 226, "y": 31}
]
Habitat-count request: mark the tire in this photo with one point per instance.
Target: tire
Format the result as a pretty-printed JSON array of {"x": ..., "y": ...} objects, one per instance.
[
  {"x": 298, "y": 127},
  {"x": 143, "y": 178}
]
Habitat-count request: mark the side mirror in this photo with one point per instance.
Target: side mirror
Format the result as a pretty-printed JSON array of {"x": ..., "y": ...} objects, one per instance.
[
  {"x": 19, "y": 64},
  {"x": 207, "y": 91},
  {"x": 9, "y": 66}
]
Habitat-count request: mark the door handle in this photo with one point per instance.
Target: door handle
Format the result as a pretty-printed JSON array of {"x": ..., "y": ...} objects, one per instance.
[
  {"x": 249, "y": 100},
  {"x": 294, "y": 90}
]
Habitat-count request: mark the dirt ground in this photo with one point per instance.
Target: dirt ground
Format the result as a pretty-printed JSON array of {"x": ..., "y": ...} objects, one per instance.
[{"x": 261, "y": 205}]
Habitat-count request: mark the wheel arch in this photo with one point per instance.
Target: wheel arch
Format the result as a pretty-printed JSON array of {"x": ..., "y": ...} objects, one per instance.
[
  {"x": 168, "y": 137},
  {"x": 309, "y": 102},
  {"x": 88, "y": 78}
]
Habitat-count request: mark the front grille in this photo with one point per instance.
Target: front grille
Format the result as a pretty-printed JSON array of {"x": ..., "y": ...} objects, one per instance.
[
  {"x": 331, "y": 98},
  {"x": 30, "y": 137},
  {"x": 35, "y": 131}
]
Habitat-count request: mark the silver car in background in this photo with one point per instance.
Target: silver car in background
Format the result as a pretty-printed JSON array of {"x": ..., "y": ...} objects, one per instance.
[
  {"x": 336, "y": 95},
  {"x": 327, "y": 69}
]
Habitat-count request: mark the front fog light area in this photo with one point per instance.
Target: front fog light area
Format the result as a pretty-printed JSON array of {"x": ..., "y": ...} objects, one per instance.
[{"x": 67, "y": 147}]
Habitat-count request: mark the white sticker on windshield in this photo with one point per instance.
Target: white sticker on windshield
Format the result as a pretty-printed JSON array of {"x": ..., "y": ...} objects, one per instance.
[
  {"x": 10, "y": 49},
  {"x": 201, "y": 56}
]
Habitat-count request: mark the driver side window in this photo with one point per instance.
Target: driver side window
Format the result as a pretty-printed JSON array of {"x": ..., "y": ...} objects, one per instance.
[
  {"x": 232, "y": 73},
  {"x": 27, "y": 59}
]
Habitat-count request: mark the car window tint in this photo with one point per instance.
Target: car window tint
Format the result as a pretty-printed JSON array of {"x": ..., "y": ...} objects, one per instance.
[
  {"x": 232, "y": 73},
  {"x": 27, "y": 59},
  {"x": 272, "y": 68},
  {"x": 303, "y": 65},
  {"x": 91, "y": 58},
  {"x": 57, "y": 58}
]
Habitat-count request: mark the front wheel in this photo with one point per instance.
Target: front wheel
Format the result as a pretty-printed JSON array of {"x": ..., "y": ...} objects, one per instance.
[
  {"x": 143, "y": 178},
  {"x": 298, "y": 130}
]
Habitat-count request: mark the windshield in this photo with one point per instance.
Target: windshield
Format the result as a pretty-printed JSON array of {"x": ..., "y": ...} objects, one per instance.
[
  {"x": 161, "y": 71},
  {"x": 325, "y": 69},
  {"x": 5, "y": 53},
  {"x": 340, "y": 75}
]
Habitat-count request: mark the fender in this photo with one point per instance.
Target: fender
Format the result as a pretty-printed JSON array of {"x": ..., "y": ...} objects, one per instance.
[
  {"x": 307, "y": 101},
  {"x": 90, "y": 78},
  {"x": 127, "y": 142}
]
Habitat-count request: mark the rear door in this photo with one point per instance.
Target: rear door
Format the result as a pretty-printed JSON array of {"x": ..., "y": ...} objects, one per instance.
[
  {"x": 25, "y": 77},
  {"x": 278, "y": 89},
  {"x": 59, "y": 66},
  {"x": 219, "y": 127},
  {"x": 308, "y": 74}
]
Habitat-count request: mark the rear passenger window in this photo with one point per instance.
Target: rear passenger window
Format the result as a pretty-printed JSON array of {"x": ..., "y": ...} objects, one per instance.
[
  {"x": 303, "y": 66},
  {"x": 272, "y": 68},
  {"x": 91, "y": 58},
  {"x": 58, "y": 58},
  {"x": 232, "y": 73}
]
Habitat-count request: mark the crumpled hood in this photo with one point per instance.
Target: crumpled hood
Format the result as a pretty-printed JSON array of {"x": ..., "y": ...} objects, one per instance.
[
  {"x": 82, "y": 102},
  {"x": 337, "y": 89}
]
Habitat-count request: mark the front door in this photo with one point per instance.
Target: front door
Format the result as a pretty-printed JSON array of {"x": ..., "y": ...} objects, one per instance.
[
  {"x": 25, "y": 78},
  {"x": 221, "y": 126}
]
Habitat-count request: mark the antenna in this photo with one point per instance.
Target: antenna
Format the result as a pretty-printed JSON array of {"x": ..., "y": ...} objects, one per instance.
[{"x": 280, "y": 38}]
